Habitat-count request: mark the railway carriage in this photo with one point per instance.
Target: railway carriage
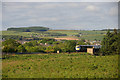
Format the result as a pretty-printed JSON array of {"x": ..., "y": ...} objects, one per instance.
[{"x": 88, "y": 48}]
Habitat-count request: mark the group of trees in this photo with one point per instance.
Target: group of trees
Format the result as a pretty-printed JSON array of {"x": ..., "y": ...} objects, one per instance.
[
  {"x": 10, "y": 46},
  {"x": 5, "y": 37},
  {"x": 52, "y": 46},
  {"x": 17, "y": 37},
  {"x": 111, "y": 43},
  {"x": 29, "y": 29},
  {"x": 54, "y": 34}
]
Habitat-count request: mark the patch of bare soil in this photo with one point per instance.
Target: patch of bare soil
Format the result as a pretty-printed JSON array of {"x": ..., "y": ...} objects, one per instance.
[{"x": 66, "y": 38}]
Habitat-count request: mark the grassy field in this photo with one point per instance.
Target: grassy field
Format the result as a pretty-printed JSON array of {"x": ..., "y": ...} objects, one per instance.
[
  {"x": 26, "y": 34},
  {"x": 72, "y": 32},
  {"x": 88, "y": 35},
  {"x": 74, "y": 65}
]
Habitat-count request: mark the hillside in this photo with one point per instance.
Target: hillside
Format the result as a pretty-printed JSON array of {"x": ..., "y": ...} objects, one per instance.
[
  {"x": 29, "y": 29},
  {"x": 88, "y": 35}
]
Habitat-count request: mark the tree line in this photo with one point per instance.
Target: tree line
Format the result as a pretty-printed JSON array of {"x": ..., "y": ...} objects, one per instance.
[
  {"x": 29, "y": 29},
  {"x": 11, "y": 46}
]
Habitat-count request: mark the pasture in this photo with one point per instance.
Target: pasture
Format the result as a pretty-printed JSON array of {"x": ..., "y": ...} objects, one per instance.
[{"x": 63, "y": 65}]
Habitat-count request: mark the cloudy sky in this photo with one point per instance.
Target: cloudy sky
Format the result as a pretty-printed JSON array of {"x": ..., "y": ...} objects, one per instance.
[
  {"x": 61, "y": 15},
  {"x": 0, "y": 16}
]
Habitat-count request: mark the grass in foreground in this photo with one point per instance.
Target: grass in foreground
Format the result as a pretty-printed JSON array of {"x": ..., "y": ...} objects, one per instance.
[{"x": 73, "y": 65}]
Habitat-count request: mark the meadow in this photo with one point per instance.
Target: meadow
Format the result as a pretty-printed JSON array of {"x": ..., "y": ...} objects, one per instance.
[{"x": 62, "y": 65}]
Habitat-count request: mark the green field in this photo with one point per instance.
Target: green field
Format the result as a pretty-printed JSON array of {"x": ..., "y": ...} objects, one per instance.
[
  {"x": 88, "y": 35},
  {"x": 74, "y": 65},
  {"x": 26, "y": 34},
  {"x": 72, "y": 32}
]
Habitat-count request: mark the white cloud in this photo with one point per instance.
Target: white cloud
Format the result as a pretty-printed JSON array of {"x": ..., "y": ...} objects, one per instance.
[
  {"x": 45, "y": 6},
  {"x": 91, "y": 8},
  {"x": 113, "y": 11},
  {"x": 72, "y": 4},
  {"x": 12, "y": 7},
  {"x": 55, "y": 5},
  {"x": 44, "y": 19},
  {"x": 49, "y": 19}
]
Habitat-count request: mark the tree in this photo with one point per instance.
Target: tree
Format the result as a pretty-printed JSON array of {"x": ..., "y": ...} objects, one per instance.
[
  {"x": 8, "y": 49},
  {"x": 69, "y": 46},
  {"x": 58, "y": 47},
  {"x": 110, "y": 43},
  {"x": 10, "y": 45},
  {"x": 21, "y": 49},
  {"x": 11, "y": 42},
  {"x": 28, "y": 48},
  {"x": 35, "y": 49},
  {"x": 115, "y": 31},
  {"x": 49, "y": 49},
  {"x": 81, "y": 43},
  {"x": 118, "y": 50},
  {"x": 28, "y": 44},
  {"x": 83, "y": 40}
]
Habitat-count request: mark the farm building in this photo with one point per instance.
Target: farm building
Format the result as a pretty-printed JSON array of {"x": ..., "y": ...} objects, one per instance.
[{"x": 88, "y": 48}]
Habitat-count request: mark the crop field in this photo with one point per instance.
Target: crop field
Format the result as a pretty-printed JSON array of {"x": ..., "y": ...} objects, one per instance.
[{"x": 63, "y": 65}]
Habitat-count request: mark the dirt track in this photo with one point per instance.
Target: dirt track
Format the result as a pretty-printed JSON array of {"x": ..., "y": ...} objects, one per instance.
[{"x": 66, "y": 38}]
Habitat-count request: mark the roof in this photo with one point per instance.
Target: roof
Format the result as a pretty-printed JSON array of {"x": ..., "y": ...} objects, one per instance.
[{"x": 95, "y": 46}]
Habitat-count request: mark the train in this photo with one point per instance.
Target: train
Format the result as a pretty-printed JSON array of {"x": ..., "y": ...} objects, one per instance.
[{"x": 83, "y": 48}]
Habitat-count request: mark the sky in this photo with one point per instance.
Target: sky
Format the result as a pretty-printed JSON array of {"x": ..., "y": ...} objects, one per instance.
[
  {"x": 61, "y": 15},
  {"x": 59, "y": 0},
  {"x": 0, "y": 16}
]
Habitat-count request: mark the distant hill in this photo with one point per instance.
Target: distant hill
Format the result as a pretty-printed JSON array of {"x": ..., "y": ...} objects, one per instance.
[{"x": 29, "y": 29}]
